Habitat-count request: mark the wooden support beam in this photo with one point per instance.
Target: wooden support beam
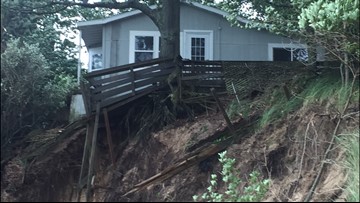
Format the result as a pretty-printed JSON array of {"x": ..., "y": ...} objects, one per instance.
[
  {"x": 89, "y": 129},
  {"x": 108, "y": 134},
  {"x": 227, "y": 119},
  {"x": 92, "y": 153}
]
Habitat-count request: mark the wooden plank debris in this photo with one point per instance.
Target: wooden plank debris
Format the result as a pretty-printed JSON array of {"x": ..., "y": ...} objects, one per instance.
[{"x": 181, "y": 165}]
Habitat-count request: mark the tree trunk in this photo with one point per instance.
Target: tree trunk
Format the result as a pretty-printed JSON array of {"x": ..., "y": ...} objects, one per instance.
[{"x": 170, "y": 29}]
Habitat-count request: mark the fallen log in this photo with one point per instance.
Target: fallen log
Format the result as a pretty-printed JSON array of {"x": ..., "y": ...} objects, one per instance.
[{"x": 181, "y": 165}]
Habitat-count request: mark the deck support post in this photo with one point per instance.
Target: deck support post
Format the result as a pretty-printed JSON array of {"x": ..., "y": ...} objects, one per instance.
[
  {"x": 108, "y": 134},
  {"x": 227, "y": 119},
  {"x": 92, "y": 153}
]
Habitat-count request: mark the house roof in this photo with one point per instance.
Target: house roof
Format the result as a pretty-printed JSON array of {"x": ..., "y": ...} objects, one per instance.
[{"x": 92, "y": 29}]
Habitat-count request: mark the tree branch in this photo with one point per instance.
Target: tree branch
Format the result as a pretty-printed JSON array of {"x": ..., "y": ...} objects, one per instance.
[
  {"x": 29, "y": 9},
  {"x": 135, "y": 4}
]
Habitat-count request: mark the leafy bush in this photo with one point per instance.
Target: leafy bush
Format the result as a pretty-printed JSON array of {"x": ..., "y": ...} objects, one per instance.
[
  {"x": 30, "y": 92},
  {"x": 254, "y": 192}
]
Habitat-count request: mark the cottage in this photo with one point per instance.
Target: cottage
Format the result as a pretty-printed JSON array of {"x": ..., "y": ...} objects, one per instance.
[{"x": 204, "y": 35}]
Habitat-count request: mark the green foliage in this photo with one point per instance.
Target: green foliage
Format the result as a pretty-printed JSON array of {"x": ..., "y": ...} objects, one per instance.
[
  {"x": 254, "y": 192},
  {"x": 328, "y": 88},
  {"x": 243, "y": 108},
  {"x": 233, "y": 109},
  {"x": 350, "y": 142},
  {"x": 331, "y": 24},
  {"x": 30, "y": 94},
  {"x": 53, "y": 28},
  {"x": 338, "y": 19},
  {"x": 329, "y": 15},
  {"x": 279, "y": 107},
  {"x": 43, "y": 30}
]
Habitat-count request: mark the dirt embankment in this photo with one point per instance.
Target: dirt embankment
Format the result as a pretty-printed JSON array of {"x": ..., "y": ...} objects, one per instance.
[{"x": 289, "y": 152}]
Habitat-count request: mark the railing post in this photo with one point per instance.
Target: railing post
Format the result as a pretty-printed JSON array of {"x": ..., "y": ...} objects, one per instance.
[
  {"x": 133, "y": 80},
  {"x": 86, "y": 97}
]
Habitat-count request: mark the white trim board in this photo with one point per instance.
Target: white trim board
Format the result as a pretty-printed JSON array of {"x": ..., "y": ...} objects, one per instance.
[
  {"x": 135, "y": 12},
  {"x": 132, "y": 34},
  {"x": 203, "y": 33},
  {"x": 283, "y": 45}
]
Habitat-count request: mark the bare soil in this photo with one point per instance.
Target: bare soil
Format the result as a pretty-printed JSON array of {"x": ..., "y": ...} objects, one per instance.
[{"x": 289, "y": 152}]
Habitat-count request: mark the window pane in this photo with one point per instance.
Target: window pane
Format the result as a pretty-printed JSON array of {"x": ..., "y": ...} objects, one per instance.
[
  {"x": 202, "y": 42},
  {"x": 300, "y": 55},
  {"x": 96, "y": 61},
  {"x": 197, "y": 48},
  {"x": 198, "y": 42},
  {"x": 144, "y": 43},
  {"x": 159, "y": 43},
  {"x": 202, "y": 51},
  {"x": 143, "y": 56},
  {"x": 281, "y": 54}
]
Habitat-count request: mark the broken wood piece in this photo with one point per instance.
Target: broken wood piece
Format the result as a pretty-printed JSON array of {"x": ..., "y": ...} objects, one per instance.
[
  {"x": 108, "y": 134},
  {"x": 84, "y": 158},
  {"x": 92, "y": 153},
  {"x": 181, "y": 165},
  {"x": 227, "y": 119}
]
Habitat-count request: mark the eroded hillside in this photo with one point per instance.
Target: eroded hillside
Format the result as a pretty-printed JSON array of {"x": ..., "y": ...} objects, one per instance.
[{"x": 289, "y": 150}]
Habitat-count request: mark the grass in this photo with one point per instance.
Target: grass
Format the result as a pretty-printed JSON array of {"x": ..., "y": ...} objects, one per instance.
[
  {"x": 279, "y": 106},
  {"x": 350, "y": 142},
  {"x": 326, "y": 89},
  {"x": 329, "y": 88},
  {"x": 235, "y": 108}
]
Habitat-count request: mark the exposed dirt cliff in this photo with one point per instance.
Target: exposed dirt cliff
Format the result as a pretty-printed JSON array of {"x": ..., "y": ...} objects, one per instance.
[{"x": 289, "y": 151}]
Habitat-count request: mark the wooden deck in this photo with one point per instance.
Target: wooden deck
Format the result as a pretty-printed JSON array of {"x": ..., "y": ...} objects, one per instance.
[{"x": 113, "y": 87}]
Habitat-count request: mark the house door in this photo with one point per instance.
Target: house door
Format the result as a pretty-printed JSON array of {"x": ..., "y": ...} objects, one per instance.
[{"x": 198, "y": 45}]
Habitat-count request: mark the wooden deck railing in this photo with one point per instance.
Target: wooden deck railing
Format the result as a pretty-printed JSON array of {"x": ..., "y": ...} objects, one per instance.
[
  {"x": 203, "y": 73},
  {"x": 116, "y": 86},
  {"x": 126, "y": 83}
]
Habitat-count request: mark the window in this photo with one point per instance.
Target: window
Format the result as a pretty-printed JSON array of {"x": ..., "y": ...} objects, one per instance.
[
  {"x": 287, "y": 52},
  {"x": 95, "y": 59},
  {"x": 197, "y": 49},
  {"x": 144, "y": 45},
  {"x": 198, "y": 45},
  {"x": 96, "y": 62}
]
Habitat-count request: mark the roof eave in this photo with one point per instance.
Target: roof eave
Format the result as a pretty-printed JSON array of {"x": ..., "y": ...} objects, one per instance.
[
  {"x": 109, "y": 19},
  {"x": 218, "y": 11}
]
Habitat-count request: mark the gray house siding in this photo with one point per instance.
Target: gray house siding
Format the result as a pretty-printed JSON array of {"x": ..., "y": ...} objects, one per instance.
[
  {"x": 107, "y": 44},
  {"x": 118, "y": 32},
  {"x": 229, "y": 43}
]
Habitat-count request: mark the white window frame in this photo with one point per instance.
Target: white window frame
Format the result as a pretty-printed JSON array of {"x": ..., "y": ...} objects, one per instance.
[
  {"x": 91, "y": 52},
  {"x": 284, "y": 46},
  {"x": 208, "y": 46},
  {"x": 155, "y": 34}
]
